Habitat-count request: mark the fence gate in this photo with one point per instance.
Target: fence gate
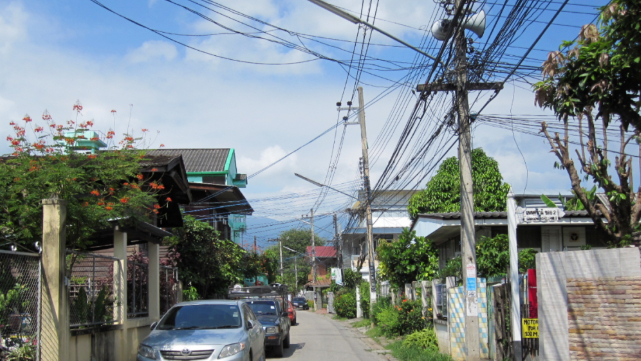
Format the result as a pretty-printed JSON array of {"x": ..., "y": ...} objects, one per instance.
[
  {"x": 168, "y": 288},
  {"x": 20, "y": 280}
]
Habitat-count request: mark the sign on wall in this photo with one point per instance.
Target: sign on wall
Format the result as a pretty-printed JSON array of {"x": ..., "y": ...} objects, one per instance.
[
  {"x": 539, "y": 215},
  {"x": 337, "y": 275},
  {"x": 530, "y": 328}
]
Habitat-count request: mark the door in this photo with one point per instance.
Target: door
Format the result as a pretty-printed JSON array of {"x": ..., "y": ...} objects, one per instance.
[{"x": 256, "y": 334}]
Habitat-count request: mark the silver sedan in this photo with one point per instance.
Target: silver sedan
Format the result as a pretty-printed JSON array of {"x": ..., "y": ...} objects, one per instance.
[{"x": 205, "y": 330}]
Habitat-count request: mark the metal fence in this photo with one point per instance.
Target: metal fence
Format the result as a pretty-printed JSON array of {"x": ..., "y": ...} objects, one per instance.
[
  {"x": 137, "y": 286},
  {"x": 168, "y": 288},
  {"x": 92, "y": 290},
  {"x": 20, "y": 280}
]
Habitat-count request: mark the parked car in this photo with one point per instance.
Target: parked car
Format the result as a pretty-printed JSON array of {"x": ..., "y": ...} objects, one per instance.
[
  {"x": 272, "y": 315},
  {"x": 205, "y": 330},
  {"x": 300, "y": 302},
  {"x": 291, "y": 312}
]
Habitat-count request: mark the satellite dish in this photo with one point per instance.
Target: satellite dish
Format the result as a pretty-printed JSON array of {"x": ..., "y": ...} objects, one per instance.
[{"x": 442, "y": 29}]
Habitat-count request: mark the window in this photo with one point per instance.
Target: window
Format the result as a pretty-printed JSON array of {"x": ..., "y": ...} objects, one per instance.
[
  {"x": 262, "y": 308},
  {"x": 201, "y": 317}
]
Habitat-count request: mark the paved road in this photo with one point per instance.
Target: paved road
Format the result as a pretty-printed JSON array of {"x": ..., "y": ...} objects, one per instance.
[{"x": 319, "y": 338}]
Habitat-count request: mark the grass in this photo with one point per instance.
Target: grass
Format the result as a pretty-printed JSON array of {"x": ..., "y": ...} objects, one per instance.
[
  {"x": 375, "y": 334},
  {"x": 415, "y": 353},
  {"x": 362, "y": 323},
  {"x": 337, "y": 317}
]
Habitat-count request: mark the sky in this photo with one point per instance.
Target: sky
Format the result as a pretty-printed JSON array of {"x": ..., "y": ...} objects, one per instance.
[{"x": 54, "y": 54}]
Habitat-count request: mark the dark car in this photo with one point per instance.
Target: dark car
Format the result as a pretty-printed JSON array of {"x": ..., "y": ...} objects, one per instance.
[
  {"x": 275, "y": 321},
  {"x": 300, "y": 302}
]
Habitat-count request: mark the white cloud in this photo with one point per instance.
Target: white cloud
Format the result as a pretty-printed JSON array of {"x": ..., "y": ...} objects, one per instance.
[
  {"x": 12, "y": 25},
  {"x": 153, "y": 50},
  {"x": 266, "y": 158}
]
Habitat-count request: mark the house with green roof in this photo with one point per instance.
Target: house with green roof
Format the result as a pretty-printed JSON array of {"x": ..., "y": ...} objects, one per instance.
[{"x": 214, "y": 181}]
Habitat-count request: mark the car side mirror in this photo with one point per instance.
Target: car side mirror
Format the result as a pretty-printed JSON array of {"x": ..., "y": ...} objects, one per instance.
[
  {"x": 250, "y": 324},
  {"x": 153, "y": 325}
]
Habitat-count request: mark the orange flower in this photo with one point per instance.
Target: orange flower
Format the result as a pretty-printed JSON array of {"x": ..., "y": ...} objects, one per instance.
[
  {"x": 113, "y": 110},
  {"x": 168, "y": 199},
  {"x": 91, "y": 156},
  {"x": 124, "y": 200},
  {"x": 156, "y": 206},
  {"x": 109, "y": 208},
  {"x": 154, "y": 169},
  {"x": 95, "y": 192},
  {"x": 162, "y": 145},
  {"x": 161, "y": 187},
  {"x": 139, "y": 176},
  {"x": 126, "y": 183},
  {"x": 27, "y": 118}
]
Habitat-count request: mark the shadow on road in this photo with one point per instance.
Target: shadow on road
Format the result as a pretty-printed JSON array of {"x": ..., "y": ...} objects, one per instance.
[{"x": 288, "y": 352}]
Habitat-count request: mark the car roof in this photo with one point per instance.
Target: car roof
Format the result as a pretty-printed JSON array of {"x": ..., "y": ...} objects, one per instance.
[
  {"x": 260, "y": 299},
  {"x": 210, "y": 302}
]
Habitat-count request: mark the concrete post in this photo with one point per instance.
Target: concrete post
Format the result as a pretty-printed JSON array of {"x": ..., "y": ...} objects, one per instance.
[
  {"x": 424, "y": 296},
  {"x": 359, "y": 310},
  {"x": 434, "y": 300},
  {"x": 153, "y": 250},
  {"x": 515, "y": 303},
  {"x": 394, "y": 296},
  {"x": 408, "y": 291},
  {"x": 414, "y": 290},
  {"x": 120, "y": 280},
  {"x": 55, "y": 334}
]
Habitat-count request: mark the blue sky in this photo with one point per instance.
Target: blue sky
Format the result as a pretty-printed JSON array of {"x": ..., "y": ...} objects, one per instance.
[{"x": 54, "y": 53}]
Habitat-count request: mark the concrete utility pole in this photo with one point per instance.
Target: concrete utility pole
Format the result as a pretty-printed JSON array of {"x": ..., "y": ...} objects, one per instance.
[
  {"x": 311, "y": 222},
  {"x": 339, "y": 243},
  {"x": 468, "y": 240},
  {"x": 280, "y": 245},
  {"x": 296, "y": 271},
  {"x": 368, "y": 207}
]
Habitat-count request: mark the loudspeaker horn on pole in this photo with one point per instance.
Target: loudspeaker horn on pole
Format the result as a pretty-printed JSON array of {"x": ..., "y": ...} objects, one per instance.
[{"x": 442, "y": 29}]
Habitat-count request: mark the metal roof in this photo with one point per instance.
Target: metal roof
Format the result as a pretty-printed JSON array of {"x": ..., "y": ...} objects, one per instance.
[
  {"x": 489, "y": 215},
  {"x": 198, "y": 160},
  {"x": 323, "y": 251}
]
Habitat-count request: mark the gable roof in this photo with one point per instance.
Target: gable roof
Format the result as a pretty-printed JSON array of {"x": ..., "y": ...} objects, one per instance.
[
  {"x": 323, "y": 251},
  {"x": 198, "y": 160}
]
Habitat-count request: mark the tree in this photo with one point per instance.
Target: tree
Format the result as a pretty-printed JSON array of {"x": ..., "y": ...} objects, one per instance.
[
  {"x": 443, "y": 192},
  {"x": 407, "y": 259},
  {"x": 97, "y": 187},
  {"x": 206, "y": 262},
  {"x": 299, "y": 239},
  {"x": 597, "y": 79}
]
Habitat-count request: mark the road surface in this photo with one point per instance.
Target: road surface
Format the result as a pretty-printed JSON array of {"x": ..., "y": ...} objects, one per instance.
[{"x": 319, "y": 338}]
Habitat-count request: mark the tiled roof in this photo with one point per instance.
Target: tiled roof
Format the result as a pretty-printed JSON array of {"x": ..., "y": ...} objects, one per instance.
[
  {"x": 198, "y": 160},
  {"x": 323, "y": 251}
]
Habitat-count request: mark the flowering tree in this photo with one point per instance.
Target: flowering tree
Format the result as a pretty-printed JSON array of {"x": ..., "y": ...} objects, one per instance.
[{"x": 97, "y": 187}]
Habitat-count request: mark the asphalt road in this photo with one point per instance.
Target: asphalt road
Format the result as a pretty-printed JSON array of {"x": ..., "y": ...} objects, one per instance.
[{"x": 319, "y": 338}]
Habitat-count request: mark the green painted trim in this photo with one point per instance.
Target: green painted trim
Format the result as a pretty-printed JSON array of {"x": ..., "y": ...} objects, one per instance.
[{"x": 229, "y": 157}]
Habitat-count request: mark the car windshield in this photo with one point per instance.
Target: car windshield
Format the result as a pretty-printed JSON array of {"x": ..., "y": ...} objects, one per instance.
[
  {"x": 263, "y": 307},
  {"x": 298, "y": 299},
  {"x": 201, "y": 317}
]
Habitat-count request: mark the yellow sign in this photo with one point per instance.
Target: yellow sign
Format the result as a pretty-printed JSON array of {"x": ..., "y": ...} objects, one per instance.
[{"x": 530, "y": 328}]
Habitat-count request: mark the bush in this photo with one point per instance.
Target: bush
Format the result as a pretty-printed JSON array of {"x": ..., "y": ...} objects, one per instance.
[
  {"x": 400, "y": 320},
  {"x": 381, "y": 304},
  {"x": 345, "y": 305},
  {"x": 424, "y": 339},
  {"x": 364, "y": 293},
  {"x": 411, "y": 353},
  {"x": 310, "y": 303}
]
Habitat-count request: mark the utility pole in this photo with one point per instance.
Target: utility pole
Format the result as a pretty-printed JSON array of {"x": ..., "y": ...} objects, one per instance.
[
  {"x": 280, "y": 244},
  {"x": 339, "y": 251},
  {"x": 296, "y": 271},
  {"x": 311, "y": 214},
  {"x": 368, "y": 207}
]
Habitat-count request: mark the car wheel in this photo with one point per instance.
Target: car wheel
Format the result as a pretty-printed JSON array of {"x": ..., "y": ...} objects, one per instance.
[
  {"x": 294, "y": 323},
  {"x": 286, "y": 342},
  {"x": 278, "y": 350}
]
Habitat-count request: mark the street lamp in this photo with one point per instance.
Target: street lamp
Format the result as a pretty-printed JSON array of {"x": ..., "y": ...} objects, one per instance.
[
  {"x": 322, "y": 185},
  {"x": 355, "y": 20}
]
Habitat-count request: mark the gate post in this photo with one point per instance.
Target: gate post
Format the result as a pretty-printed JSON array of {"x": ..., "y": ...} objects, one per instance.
[{"x": 54, "y": 334}]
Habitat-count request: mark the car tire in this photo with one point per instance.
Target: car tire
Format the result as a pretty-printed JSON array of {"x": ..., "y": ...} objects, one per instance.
[
  {"x": 286, "y": 343},
  {"x": 294, "y": 323},
  {"x": 278, "y": 350}
]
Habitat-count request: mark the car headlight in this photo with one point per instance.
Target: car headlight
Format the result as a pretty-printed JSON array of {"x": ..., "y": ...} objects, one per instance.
[
  {"x": 231, "y": 350},
  {"x": 271, "y": 329},
  {"x": 147, "y": 352}
]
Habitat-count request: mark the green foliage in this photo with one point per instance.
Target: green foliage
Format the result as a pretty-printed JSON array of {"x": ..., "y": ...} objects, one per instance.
[
  {"x": 413, "y": 353},
  {"x": 365, "y": 298},
  {"x": 574, "y": 204},
  {"x": 401, "y": 320},
  {"x": 351, "y": 278},
  {"x": 548, "y": 202},
  {"x": 380, "y": 305},
  {"x": 310, "y": 303},
  {"x": 443, "y": 193},
  {"x": 407, "y": 259},
  {"x": 527, "y": 259},
  {"x": 197, "y": 247},
  {"x": 25, "y": 352},
  {"x": 299, "y": 240},
  {"x": 600, "y": 70},
  {"x": 423, "y": 339},
  {"x": 492, "y": 256},
  {"x": 14, "y": 299},
  {"x": 345, "y": 305},
  {"x": 191, "y": 294},
  {"x": 453, "y": 268},
  {"x": 98, "y": 188}
]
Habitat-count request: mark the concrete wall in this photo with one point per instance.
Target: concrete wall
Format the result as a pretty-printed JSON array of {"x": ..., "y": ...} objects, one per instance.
[
  {"x": 554, "y": 270},
  {"x": 106, "y": 344}
]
